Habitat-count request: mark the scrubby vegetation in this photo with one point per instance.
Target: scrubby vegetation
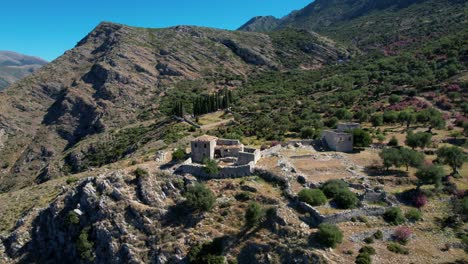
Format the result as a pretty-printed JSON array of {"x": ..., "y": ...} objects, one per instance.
[
  {"x": 329, "y": 235},
  {"x": 333, "y": 187},
  {"x": 199, "y": 197},
  {"x": 314, "y": 197},
  {"x": 394, "y": 216},
  {"x": 254, "y": 214}
]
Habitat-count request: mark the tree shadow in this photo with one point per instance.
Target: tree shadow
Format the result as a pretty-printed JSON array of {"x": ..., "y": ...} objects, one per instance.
[
  {"x": 375, "y": 171},
  {"x": 181, "y": 215}
]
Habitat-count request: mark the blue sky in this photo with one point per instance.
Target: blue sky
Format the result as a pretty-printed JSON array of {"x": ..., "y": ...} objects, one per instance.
[{"x": 47, "y": 28}]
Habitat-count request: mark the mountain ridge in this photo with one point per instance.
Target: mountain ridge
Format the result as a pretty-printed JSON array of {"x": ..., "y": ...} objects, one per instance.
[
  {"x": 15, "y": 66},
  {"x": 117, "y": 71}
]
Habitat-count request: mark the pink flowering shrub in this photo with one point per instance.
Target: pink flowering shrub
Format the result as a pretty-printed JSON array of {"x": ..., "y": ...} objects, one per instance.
[
  {"x": 402, "y": 234},
  {"x": 420, "y": 200},
  {"x": 453, "y": 88}
]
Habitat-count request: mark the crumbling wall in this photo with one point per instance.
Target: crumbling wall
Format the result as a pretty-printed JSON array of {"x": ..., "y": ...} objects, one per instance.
[
  {"x": 342, "y": 142},
  {"x": 342, "y": 127},
  {"x": 224, "y": 172},
  {"x": 344, "y": 216}
]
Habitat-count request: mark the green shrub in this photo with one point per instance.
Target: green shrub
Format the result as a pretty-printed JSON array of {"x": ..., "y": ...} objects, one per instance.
[
  {"x": 73, "y": 218},
  {"x": 141, "y": 173},
  {"x": 393, "y": 142},
  {"x": 367, "y": 250},
  {"x": 363, "y": 258},
  {"x": 178, "y": 154},
  {"x": 413, "y": 215},
  {"x": 314, "y": 197},
  {"x": 332, "y": 187},
  {"x": 200, "y": 198},
  {"x": 369, "y": 240},
  {"x": 243, "y": 196},
  {"x": 345, "y": 199},
  {"x": 394, "y": 216},
  {"x": 329, "y": 235},
  {"x": 71, "y": 180},
  {"x": 254, "y": 214},
  {"x": 396, "y": 248},
  {"x": 363, "y": 219},
  {"x": 211, "y": 166},
  {"x": 84, "y": 246},
  {"x": 378, "y": 234},
  {"x": 206, "y": 253},
  {"x": 362, "y": 138}
]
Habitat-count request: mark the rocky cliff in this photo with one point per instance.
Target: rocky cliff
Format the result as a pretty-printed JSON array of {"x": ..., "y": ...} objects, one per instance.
[{"x": 118, "y": 217}]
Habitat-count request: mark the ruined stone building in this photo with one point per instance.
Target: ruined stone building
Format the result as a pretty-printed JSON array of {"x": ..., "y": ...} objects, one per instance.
[
  {"x": 213, "y": 148},
  {"x": 340, "y": 139}
]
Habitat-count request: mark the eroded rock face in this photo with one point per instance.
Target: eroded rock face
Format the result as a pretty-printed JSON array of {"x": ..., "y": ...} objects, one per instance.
[
  {"x": 121, "y": 226},
  {"x": 3, "y": 138}
]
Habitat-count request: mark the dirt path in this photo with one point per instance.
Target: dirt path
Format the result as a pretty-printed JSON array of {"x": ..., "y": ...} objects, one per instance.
[{"x": 217, "y": 124}]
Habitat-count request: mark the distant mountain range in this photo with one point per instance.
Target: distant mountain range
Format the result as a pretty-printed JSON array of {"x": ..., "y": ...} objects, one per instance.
[
  {"x": 370, "y": 24},
  {"x": 15, "y": 66}
]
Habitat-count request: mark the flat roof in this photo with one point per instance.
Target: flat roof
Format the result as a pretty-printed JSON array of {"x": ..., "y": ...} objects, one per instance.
[{"x": 205, "y": 138}]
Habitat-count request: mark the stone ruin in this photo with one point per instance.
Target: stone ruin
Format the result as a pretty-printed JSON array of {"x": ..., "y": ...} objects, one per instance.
[
  {"x": 209, "y": 147},
  {"x": 340, "y": 139},
  {"x": 234, "y": 158}
]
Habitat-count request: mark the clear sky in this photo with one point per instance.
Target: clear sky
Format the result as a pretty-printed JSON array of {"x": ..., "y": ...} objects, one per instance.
[{"x": 47, "y": 28}]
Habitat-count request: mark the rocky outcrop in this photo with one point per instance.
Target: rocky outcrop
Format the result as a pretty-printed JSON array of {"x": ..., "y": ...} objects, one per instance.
[{"x": 121, "y": 228}]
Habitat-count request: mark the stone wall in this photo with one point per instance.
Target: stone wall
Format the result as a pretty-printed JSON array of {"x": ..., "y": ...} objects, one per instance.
[
  {"x": 344, "y": 216},
  {"x": 342, "y": 127},
  {"x": 336, "y": 141},
  {"x": 248, "y": 155},
  {"x": 225, "y": 172},
  {"x": 228, "y": 142}
]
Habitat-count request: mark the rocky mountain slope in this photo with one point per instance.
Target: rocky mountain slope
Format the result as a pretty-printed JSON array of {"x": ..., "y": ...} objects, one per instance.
[
  {"x": 118, "y": 72},
  {"x": 368, "y": 24},
  {"x": 15, "y": 66},
  {"x": 143, "y": 219}
]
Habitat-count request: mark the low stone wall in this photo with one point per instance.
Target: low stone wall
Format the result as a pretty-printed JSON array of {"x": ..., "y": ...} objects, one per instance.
[
  {"x": 344, "y": 216},
  {"x": 224, "y": 173},
  {"x": 271, "y": 151}
]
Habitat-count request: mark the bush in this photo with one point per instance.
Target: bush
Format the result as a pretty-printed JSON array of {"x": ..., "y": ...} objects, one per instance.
[
  {"x": 84, "y": 246},
  {"x": 396, "y": 248},
  {"x": 345, "y": 199},
  {"x": 178, "y": 155},
  {"x": 393, "y": 142},
  {"x": 413, "y": 215},
  {"x": 243, "y": 196},
  {"x": 211, "y": 166},
  {"x": 314, "y": 197},
  {"x": 329, "y": 235},
  {"x": 72, "y": 180},
  {"x": 200, "y": 198},
  {"x": 367, "y": 250},
  {"x": 254, "y": 214},
  {"x": 362, "y": 139},
  {"x": 207, "y": 253},
  {"x": 332, "y": 187},
  {"x": 140, "y": 173},
  {"x": 420, "y": 200},
  {"x": 363, "y": 258},
  {"x": 394, "y": 216},
  {"x": 378, "y": 234},
  {"x": 72, "y": 218},
  {"x": 369, "y": 240},
  {"x": 402, "y": 234}
]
